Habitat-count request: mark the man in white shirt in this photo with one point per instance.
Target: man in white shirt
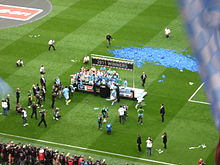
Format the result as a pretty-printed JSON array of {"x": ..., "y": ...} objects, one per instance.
[
  {"x": 167, "y": 32},
  {"x": 149, "y": 142},
  {"x": 24, "y": 117},
  {"x": 121, "y": 113},
  {"x": 5, "y": 107},
  {"x": 51, "y": 44},
  {"x": 42, "y": 69}
]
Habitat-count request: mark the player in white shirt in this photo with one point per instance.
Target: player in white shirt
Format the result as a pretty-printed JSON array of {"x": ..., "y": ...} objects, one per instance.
[
  {"x": 167, "y": 32},
  {"x": 51, "y": 44},
  {"x": 24, "y": 117}
]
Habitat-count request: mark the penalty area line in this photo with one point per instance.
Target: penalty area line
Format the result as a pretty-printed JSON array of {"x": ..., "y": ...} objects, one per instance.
[
  {"x": 86, "y": 149},
  {"x": 195, "y": 101}
]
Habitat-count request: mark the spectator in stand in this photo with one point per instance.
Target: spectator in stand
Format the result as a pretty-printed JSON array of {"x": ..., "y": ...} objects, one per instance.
[
  {"x": 201, "y": 162},
  {"x": 27, "y": 154},
  {"x": 41, "y": 156}
]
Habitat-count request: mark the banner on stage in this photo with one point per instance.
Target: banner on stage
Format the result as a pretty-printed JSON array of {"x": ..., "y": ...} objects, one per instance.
[{"x": 112, "y": 63}]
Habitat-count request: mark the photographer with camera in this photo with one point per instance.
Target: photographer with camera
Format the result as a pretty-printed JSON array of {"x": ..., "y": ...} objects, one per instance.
[{"x": 43, "y": 115}]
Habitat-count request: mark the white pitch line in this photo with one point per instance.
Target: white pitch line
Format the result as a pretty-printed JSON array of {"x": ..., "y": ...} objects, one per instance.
[
  {"x": 87, "y": 149},
  {"x": 195, "y": 92},
  {"x": 201, "y": 102}
]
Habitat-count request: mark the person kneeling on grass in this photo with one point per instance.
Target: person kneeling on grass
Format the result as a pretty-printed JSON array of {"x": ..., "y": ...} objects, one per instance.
[
  {"x": 19, "y": 63},
  {"x": 56, "y": 115}
]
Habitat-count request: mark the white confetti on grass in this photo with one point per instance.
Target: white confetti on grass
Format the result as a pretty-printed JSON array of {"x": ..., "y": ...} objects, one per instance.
[{"x": 200, "y": 146}]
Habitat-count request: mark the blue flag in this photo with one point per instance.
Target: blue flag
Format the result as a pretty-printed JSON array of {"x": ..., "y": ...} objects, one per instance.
[{"x": 202, "y": 18}]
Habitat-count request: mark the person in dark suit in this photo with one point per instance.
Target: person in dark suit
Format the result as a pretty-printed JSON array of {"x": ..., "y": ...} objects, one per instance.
[
  {"x": 164, "y": 137},
  {"x": 43, "y": 81},
  {"x": 108, "y": 39},
  {"x": 54, "y": 95},
  {"x": 8, "y": 101},
  {"x": 162, "y": 112},
  {"x": 34, "y": 110},
  {"x": 100, "y": 121},
  {"x": 139, "y": 142},
  {"x": 143, "y": 78},
  {"x": 18, "y": 92},
  {"x": 117, "y": 93},
  {"x": 43, "y": 115},
  {"x": 94, "y": 88}
]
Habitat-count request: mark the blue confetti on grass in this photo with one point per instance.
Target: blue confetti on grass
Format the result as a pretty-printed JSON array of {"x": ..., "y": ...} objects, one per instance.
[
  {"x": 163, "y": 76},
  {"x": 158, "y": 56}
]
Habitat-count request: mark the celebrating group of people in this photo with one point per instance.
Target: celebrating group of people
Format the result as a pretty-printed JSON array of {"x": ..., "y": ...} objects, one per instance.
[
  {"x": 36, "y": 97},
  {"x": 93, "y": 76}
]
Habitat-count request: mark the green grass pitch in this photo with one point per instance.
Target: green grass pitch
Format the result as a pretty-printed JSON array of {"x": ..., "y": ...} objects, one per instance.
[{"x": 79, "y": 28}]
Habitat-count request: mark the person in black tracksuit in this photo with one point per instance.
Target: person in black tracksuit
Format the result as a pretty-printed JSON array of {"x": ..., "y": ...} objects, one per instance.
[
  {"x": 117, "y": 92},
  {"x": 164, "y": 137},
  {"x": 34, "y": 110},
  {"x": 162, "y": 112},
  {"x": 100, "y": 121},
  {"x": 139, "y": 142},
  {"x": 43, "y": 115},
  {"x": 18, "y": 92},
  {"x": 8, "y": 102},
  {"x": 108, "y": 39},
  {"x": 54, "y": 95},
  {"x": 143, "y": 78}
]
